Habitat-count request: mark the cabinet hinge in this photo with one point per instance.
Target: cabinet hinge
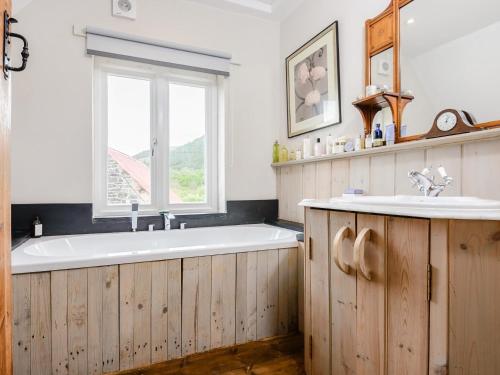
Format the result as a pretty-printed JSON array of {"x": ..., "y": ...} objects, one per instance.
[
  {"x": 429, "y": 282},
  {"x": 310, "y": 249},
  {"x": 310, "y": 346}
]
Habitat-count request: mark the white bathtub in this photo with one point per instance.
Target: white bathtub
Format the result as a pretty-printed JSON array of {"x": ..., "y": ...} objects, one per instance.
[{"x": 92, "y": 250}]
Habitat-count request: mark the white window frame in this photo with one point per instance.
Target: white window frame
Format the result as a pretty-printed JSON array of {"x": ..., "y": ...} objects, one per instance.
[{"x": 160, "y": 78}]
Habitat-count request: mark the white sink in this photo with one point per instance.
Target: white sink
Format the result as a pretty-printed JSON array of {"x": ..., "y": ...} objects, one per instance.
[{"x": 457, "y": 203}]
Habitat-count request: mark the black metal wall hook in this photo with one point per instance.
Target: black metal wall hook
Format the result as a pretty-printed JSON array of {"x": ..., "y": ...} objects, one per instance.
[{"x": 7, "y": 21}]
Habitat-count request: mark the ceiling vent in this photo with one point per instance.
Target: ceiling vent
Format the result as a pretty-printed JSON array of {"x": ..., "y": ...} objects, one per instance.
[{"x": 125, "y": 9}]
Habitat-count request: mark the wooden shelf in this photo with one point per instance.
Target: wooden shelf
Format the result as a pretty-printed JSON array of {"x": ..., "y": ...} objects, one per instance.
[{"x": 484, "y": 135}]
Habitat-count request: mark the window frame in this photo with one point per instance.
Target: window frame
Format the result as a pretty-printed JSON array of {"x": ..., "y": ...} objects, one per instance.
[{"x": 160, "y": 78}]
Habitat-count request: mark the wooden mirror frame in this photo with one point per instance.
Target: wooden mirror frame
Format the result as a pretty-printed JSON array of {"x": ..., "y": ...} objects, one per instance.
[{"x": 382, "y": 33}]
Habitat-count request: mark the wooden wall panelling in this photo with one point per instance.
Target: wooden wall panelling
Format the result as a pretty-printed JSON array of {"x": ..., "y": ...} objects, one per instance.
[
  {"x": 282, "y": 191},
  {"x": 405, "y": 161},
  {"x": 40, "y": 324},
  {"x": 294, "y": 186},
  {"x": 127, "y": 294},
  {"x": 479, "y": 179},
  {"x": 340, "y": 177},
  {"x": 382, "y": 174},
  {"x": 449, "y": 157},
  {"x": 370, "y": 313},
  {"x": 293, "y": 284},
  {"x": 59, "y": 297},
  {"x": 22, "y": 324},
  {"x": 174, "y": 293},
  {"x": 77, "y": 321},
  {"x": 251, "y": 305},
  {"x": 438, "y": 309},
  {"x": 323, "y": 180},
  {"x": 343, "y": 299},
  {"x": 142, "y": 314},
  {"x": 241, "y": 298},
  {"x": 223, "y": 327},
  {"x": 474, "y": 276},
  {"x": 159, "y": 312},
  {"x": 110, "y": 320},
  {"x": 407, "y": 305},
  {"x": 190, "y": 285},
  {"x": 359, "y": 173},
  {"x": 95, "y": 327},
  {"x": 203, "y": 304},
  {"x": 283, "y": 313}
]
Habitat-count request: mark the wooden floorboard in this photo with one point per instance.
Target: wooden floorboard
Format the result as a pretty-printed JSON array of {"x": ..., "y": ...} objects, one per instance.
[{"x": 283, "y": 355}]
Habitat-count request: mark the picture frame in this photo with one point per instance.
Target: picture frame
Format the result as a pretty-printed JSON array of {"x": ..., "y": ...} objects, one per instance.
[{"x": 313, "y": 84}]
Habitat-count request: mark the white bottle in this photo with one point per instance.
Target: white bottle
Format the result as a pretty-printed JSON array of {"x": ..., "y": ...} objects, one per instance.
[
  {"x": 317, "y": 147},
  {"x": 307, "y": 148},
  {"x": 329, "y": 144}
]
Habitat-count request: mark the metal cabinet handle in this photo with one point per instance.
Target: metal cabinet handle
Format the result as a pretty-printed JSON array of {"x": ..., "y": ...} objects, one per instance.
[
  {"x": 359, "y": 252},
  {"x": 337, "y": 249},
  {"x": 24, "y": 53}
]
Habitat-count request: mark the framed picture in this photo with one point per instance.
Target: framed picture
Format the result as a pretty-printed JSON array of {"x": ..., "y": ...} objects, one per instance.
[{"x": 313, "y": 84}]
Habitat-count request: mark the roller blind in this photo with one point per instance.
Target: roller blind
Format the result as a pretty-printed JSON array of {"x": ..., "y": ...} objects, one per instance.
[{"x": 128, "y": 47}]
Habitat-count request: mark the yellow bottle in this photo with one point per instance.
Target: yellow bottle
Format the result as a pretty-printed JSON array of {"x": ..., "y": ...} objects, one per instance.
[{"x": 283, "y": 155}]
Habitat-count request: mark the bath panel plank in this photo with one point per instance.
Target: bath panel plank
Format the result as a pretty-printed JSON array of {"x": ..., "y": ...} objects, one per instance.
[
  {"x": 174, "y": 305},
  {"x": 251, "y": 296},
  {"x": 110, "y": 320},
  {"x": 241, "y": 298},
  {"x": 159, "y": 312},
  {"x": 283, "y": 292},
  {"x": 189, "y": 308},
  {"x": 142, "y": 314},
  {"x": 293, "y": 297},
  {"x": 229, "y": 300},
  {"x": 218, "y": 279},
  {"x": 126, "y": 316},
  {"x": 262, "y": 309},
  {"x": 77, "y": 321},
  {"x": 22, "y": 324},
  {"x": 40, "y": 324},
  {"x": 59, "y": 301},
  {"x": 204, "y": 297},
  {"x": 94, "y": 354},
  {"x": 273, "y": 291}
]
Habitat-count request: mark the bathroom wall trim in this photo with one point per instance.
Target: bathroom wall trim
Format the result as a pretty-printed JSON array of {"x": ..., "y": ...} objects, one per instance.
[{"x": 76, "y": 218}]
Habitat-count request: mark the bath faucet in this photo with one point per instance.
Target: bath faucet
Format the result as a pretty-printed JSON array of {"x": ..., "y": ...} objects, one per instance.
[
  {"x": 135, "y": 214},
  {"x": 167, "y": 216},
  {"x": 425, "y": 181}
]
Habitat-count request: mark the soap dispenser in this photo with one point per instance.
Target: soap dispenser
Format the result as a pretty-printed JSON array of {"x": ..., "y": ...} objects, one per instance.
[{"x": 37, "y": 228}]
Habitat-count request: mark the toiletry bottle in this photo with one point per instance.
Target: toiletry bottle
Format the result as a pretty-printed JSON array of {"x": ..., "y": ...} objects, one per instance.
[
  {"x": 329, "y": 144},
  {"x": 283, "y": 155},
  {"x": 307, "y": 148},
  {"x": 378, "y": 137},
  {"x": 276, "y": 152},
  {"x": 317, "y": 147},
  {"x": 37, "y": 228},
  {"x": 368, "y": 141},
  {"x": 298, "y": 155}
]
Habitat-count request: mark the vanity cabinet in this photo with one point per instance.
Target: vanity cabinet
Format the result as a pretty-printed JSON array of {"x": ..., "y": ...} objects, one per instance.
[
  {"x": 367, "y": 307},
  {"x": 398, "y": 295}
]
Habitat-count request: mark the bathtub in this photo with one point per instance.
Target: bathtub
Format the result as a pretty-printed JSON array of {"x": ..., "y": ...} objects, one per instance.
[{"x": 93, "y": 250}]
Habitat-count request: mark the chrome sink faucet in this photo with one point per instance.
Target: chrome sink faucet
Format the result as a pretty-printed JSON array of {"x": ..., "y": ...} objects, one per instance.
[
  {"x": 167, "y": 216},
  {"x": 135, "y": 214},
  {"x": 424, "y": 181}
]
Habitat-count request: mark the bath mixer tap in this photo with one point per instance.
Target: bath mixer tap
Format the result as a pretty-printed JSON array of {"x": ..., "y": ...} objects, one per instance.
[
  {"x": 135, "y": 214},
  {"x": 167, "y": 216},
  {"x": 424, "y": 181}
]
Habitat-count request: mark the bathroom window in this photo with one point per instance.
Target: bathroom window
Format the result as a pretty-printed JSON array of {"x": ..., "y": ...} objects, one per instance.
[{"x": 157, "y": 139}]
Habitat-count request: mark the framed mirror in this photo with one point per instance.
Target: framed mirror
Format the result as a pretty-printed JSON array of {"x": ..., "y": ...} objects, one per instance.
[
  {"x": 382, "y": 69},
  {"x": 449, "y": 59}
]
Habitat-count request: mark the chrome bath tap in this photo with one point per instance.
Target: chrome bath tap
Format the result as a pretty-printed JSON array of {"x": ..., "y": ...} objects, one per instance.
[
  {"x": 167, "y": 216},
  {"x": 424, "y": 181}
]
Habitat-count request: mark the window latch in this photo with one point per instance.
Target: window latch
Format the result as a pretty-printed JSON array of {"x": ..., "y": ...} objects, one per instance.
[{"x": 153, "y": 148}]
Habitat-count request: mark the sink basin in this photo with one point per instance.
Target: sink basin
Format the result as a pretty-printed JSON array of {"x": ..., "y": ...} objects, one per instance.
[{"x": 456, "y": 203}]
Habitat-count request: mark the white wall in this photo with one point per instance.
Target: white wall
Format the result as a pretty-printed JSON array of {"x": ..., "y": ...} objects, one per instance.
[
  {"x": 52, "y": 99},
  {"x": 305, "y": 22}
]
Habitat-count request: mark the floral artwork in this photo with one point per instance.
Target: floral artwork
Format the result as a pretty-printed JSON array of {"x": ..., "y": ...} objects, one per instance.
[{"x": 313, "y": 87}]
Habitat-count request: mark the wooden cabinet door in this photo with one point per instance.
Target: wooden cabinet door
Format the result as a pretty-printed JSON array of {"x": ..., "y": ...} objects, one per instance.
[
  {"x": 5, "y": 232},
  {"x": 317, "y": 295},
  {"x": 370, "y": 317},
  {"x": 407, "y": 296},
  {"x": 343, "y": 293}
]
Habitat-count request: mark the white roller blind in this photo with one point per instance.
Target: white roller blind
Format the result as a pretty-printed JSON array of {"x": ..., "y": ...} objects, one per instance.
[{"x": 128, "y": 47}]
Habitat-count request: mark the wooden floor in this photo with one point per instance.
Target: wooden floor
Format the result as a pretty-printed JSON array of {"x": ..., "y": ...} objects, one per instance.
[{"x": 277, "y": 356}]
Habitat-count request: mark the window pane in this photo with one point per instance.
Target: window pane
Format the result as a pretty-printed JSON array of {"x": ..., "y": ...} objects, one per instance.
[
  {"x": 129, "y": 145},
  {"x": 187, "y": 144}
]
